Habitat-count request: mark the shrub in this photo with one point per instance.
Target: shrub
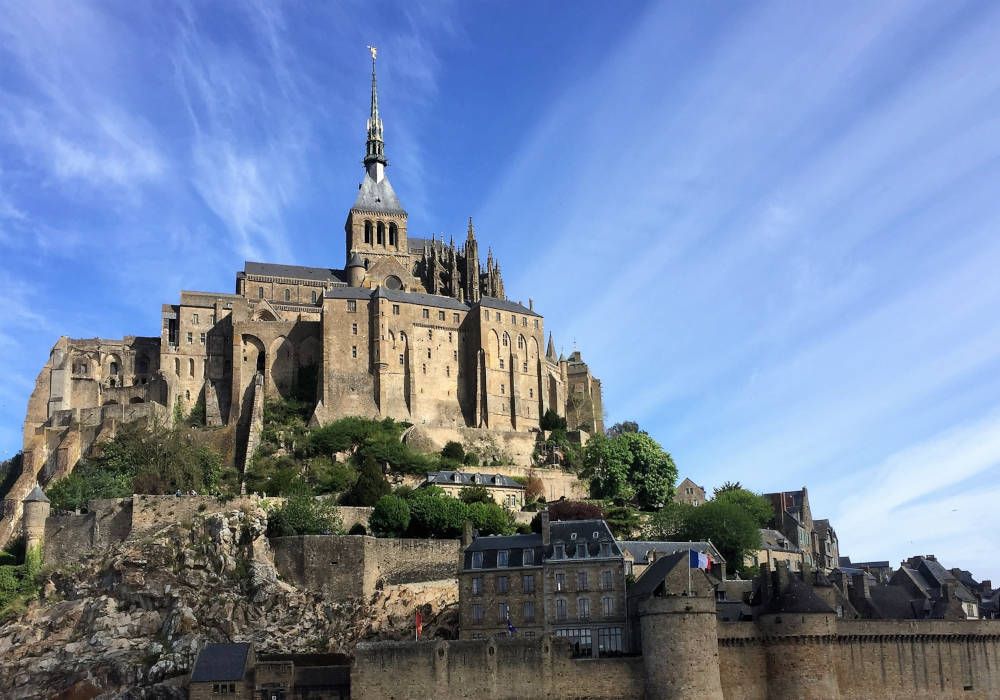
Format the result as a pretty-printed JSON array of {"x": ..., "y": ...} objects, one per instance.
[
  {"x": 433, "y": 515},
  {"x": 476, "y": 494},
  {"x": 568, "y": 510},
  {"x": 490, "y": 519},
  {"x": 304, "y": 515},
  {"x": 370, "y": 486},
  {"x": 453, "y": 450},
  {"x": 534, "y": 489},
  {"x": 471, "y": 459},
  {"x": 552, "y": 421},
  {"x": 391, "y": 516}
]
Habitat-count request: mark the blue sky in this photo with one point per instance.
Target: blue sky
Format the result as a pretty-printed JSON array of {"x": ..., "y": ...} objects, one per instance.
[{"x": 770, "y": 227}]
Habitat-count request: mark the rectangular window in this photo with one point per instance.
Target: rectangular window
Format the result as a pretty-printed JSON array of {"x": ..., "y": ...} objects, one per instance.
[
  {"x": 426, "y": 313},
  {"x": 428, "y": 353},
  {"x": 528, "y": 583},
  {"x": 477, "y": 613},
  {"x": 531, "y": 393},
  {"x": 498, "y": 316},
  {"x": 477, "y": 560},
  {"x": 581, "y": 581},
  {"x": 401, "y": 359},
  {"x": 260, "y": 292},
  {"x": 202, "y": 338},
  {"x": 608, "y": 606},
  {"x": 354, "y": 351},
  {"x": 352, "y": 305},
  {"x": 560, "y": 582},
  {"x": 528, "y": 611},
  {"x": 314, "y": 296},
  {"x": 503, "y": 612},
  {"x": 583, "y": 608},
  {"x": 395, "y": 309},
  {"x": 527, "y": 557},
  {"x": 607, "y": 580},
  {"x": 560, "y": 551},
  {"x": 354, "y": 329},
  {"x": 501, "y": 363},
  {"x": 194, "y": 319},
  {"x": 449, "y": 336},
  {"x": 440, "y": 315},
  {"x": 513, "y": 319},
  {"x": 503, "y": 556},
  {"x": 190, "y": 338},
  {"x": 581, "y": 550},
  {"x": 502, "y": 584},
  {"x": 454, "y": 355},
  {"x": 454, "y": 318},
  {"x": 560, "y": 609},
  {"x": 477, "y": 585},
  {"x": 605, "y": 549},
  {"x": 502, "y": 390},
  {"x": 524, "y": 366},
  {"x": 609, "y": 641},
  {"x": 536, "y": 323}
]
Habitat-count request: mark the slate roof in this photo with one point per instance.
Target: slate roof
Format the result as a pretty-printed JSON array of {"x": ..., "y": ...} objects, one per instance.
[
  {"x": 299, "y": 272},
  {"x": 505, "y": 305},
  {"x": 640, "y": 549},
  {"x": 776, "y": 541},
  {"x": 424, "y": 299},
  {"x": 797, "y": 597},
  {"x": 472, "y": 479},
  {"x": 568, "y": 532},
  {"x": 36, "y": 495},
  {"x": 652, "y": 577},
  {"x": 221, "y": 662},
  {"x": 348, "y": 293},
  {"x": 377, "y": 197},
  {"x": 894, "y": 603},
  {"x": 356, "y": 260}
]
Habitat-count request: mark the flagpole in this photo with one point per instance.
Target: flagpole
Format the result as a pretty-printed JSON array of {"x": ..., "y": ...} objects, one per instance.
[{"x": 689, "y": 573}]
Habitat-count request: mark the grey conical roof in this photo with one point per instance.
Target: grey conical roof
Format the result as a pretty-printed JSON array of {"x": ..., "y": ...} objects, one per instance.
[
  {"x": 36, "y": 495},
  {"x": 378, "y": 197},
  {"x": 356, "y": 260}
]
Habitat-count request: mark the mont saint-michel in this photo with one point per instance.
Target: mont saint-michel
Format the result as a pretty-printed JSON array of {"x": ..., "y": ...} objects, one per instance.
[{"x": 654, "y": 417}]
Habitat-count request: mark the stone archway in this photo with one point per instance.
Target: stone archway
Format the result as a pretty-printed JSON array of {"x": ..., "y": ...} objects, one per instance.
[{"x": 282, "y": 371}]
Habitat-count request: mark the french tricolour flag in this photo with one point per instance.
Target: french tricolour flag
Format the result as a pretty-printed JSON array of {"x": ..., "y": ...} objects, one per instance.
[{"x": 699, "y": 560}]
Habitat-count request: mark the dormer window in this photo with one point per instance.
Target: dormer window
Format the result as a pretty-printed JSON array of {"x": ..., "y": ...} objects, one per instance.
[
  {"x": 477, "y": 560},
  {"x": 581, "y": 550},
  {"x": 527, "y": 557},
  {"x": 605, "y": 549},
  {"x": 456, "y": 477},
  {"x": 559, "y": 551},
  {"x": 572, "y": 535},
  {"x": 596, "y": 535},
  {"x": 503, "y": 557}
]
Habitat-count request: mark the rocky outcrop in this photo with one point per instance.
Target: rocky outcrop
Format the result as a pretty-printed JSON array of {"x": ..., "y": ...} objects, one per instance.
[{"x": 129, "y": 620}]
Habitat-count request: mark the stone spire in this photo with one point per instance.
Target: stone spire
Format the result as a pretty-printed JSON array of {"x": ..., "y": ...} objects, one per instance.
[
  {"x": 375, "y": 161},
  {"x": 472, "y": 231},
  {"x": 550, "y": 352}
]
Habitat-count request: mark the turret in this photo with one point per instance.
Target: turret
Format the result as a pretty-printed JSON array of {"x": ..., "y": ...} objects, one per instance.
[
  {"x": 355, "y": 270},
  {"x": 36, "y": 511}
]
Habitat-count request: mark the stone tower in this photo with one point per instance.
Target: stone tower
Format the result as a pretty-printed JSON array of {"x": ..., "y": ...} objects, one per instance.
[
  {"x": 797, "y": 627},
  {"x": 36, "y": 511},
  {"x": 472, "y": 293},
  {"x": 683, "y": 630}
]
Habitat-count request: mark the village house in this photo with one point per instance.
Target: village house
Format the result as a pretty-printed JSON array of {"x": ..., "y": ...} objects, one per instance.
[{"x": 504, "y": 490}]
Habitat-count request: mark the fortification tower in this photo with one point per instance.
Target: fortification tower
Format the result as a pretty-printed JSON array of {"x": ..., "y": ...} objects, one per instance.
[
  {"x": 798, "y": 628},
  {"x": 680, "y": 647},
  {"x": 36, "y": 511}
]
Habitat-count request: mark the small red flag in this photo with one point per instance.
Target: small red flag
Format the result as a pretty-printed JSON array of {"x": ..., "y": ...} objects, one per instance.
[{"x": 420, "y": 624}]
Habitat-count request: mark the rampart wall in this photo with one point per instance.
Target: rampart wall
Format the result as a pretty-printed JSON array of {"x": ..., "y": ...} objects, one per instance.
[
  {"x": 354, "y": 566},
  {"x": 506, "y": 669},
  {"x": 888, "y": 659}
]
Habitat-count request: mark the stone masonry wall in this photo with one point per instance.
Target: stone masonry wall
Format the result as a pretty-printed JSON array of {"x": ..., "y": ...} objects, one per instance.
[
  {"x": 507, "y": 669},
  {"x": 353, "y": 566},
  {"x": 888, "y": 659}
]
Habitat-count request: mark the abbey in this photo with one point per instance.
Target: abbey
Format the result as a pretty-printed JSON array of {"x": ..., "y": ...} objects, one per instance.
[{"x": 415, "y": 329}]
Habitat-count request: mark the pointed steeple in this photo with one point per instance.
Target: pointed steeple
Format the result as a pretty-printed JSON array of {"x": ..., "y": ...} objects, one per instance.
[
  {"x": 550, "y": 352},
  {"x": 375, "y": 161},
  {"x": 472, "y": 231}
]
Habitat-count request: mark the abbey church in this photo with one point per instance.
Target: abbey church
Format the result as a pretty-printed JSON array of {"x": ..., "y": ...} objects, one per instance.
[{"x": 417, "y": 329}]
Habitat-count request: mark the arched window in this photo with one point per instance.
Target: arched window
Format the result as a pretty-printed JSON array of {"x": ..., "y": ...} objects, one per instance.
[
  {"x": 506, "y": 340},
  {"x": 520, "y": 342},
  {"x": 288, "y": 295},
  {"x": 191, "y": 368},
  {"x": 114, "y": 368},
  {"x": 380, "y": 234},
  {"x": 368, "y": 232},
  {"x": 393, "y": 235}
]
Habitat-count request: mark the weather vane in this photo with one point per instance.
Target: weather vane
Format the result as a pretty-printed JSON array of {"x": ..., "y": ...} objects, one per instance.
[{"x": 372, "y": 50}]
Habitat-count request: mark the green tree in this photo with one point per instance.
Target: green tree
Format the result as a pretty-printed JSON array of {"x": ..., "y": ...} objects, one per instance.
[
  {"x": 491, "y": 519},
  {"x": 623, "y": 520},
  {"x": 627, "y": 426},
  {"x": 630, "y": 467},
  {"x": 304, "y": 515},
  {"x": 668, "y": 522},
  {"x": 730, "y": 528},
  {"x": 433, "y": 515},
  {"x": 755, "y": 505},
  {"x": 476, "y": 494},
  {"x": 391, "y": 516},
  {"x": 454, "y": 451},
  {"x": 552, "y": 421},
  {"x": 370, "y": 486}
]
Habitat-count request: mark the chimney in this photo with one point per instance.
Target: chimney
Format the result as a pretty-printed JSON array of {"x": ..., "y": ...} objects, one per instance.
[
  {"x": 466, "y": 534},
  {"x": 543, "y": 518},
  {"x": 860, "y": 593},
  {"x": 531, "y": 303}
]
